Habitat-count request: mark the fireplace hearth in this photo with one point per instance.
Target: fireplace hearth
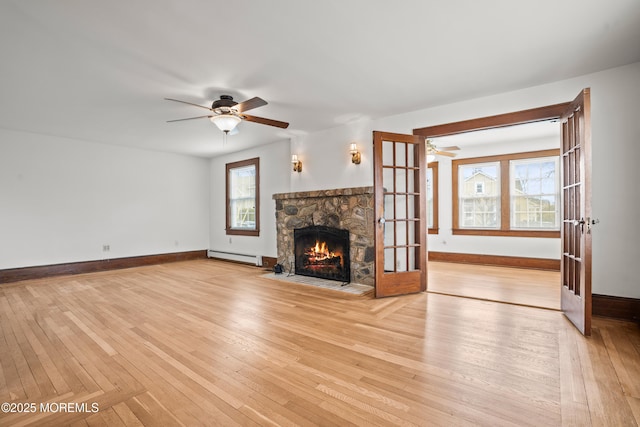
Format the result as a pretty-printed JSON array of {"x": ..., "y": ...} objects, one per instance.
[{"x": 323, "y": 252}]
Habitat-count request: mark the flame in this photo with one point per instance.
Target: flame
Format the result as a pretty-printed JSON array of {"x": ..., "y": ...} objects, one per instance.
[{"x": 320, "y": 252}]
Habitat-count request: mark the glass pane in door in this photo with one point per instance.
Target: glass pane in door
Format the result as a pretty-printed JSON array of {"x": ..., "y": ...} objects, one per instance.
[
  {"x": 387, "y": 153},
  {"x": 401, "y": 154}
]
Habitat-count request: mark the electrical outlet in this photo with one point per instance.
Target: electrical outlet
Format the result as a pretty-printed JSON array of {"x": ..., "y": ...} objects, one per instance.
[
  {"x": 230, "y": 240},
  {"x": 106, "y": 248}
]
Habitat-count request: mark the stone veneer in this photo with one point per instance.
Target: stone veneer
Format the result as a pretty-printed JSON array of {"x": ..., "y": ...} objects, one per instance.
[{"x": 345, "y": 208}]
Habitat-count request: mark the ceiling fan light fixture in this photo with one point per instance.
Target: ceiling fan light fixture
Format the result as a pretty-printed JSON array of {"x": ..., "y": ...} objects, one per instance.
[
  {"x": 226, "y": 122},
  {"x": 430, "y": 158}
]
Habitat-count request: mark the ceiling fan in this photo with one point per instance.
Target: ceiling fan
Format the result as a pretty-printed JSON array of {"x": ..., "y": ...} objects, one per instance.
[
  {"x": 433, "y": 150},
  {"x": 227, "y": 113}
]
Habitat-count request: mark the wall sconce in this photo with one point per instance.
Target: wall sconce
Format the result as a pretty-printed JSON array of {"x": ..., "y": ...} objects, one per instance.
[
  {"x": 297, "y": 164},
  {"x": 355, "y": 154}
]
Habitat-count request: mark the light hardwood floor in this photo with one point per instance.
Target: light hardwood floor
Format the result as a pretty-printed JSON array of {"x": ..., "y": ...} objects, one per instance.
[
  {"x": 212, "y": 343},
  {"x": 535, "y": 288}
]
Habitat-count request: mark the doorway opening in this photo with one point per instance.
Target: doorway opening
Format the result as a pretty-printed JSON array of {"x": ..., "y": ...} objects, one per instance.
[{"x": 499, "y": 207}]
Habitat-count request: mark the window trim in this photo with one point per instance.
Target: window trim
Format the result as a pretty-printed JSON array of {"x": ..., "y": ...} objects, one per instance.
[
  {"x": 234, "y": 165},
  {"x": 505, "y": 202},
  {"x": 434, "y": 174}
]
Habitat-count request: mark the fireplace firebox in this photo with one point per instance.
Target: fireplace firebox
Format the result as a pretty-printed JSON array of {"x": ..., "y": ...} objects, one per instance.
[{"x": 322, "y": 252}]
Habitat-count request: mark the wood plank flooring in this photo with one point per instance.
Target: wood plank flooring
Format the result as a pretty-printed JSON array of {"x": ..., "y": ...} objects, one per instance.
[
  {"x": 212, "y": 343},
  {"x": 534, "y": 288}
]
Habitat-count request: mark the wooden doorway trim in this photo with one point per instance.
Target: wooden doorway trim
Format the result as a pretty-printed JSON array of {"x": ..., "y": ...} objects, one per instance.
[
  {"x": 576, "y": 307},
  {"x": 549, "y": 112}
]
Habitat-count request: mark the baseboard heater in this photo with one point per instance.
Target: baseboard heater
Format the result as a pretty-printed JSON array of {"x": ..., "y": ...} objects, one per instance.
[{"x": 234, "y": 256}]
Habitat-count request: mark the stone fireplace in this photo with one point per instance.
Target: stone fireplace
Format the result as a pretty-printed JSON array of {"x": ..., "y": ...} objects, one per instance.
[{"x": 349, "y": 209}]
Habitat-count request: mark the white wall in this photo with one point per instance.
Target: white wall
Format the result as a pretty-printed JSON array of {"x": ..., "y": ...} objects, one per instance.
[
  {"x": 615, "y": 96},
  {"x": 275, "y": 173},
  {"x": 61, "y": 200},
  {"x": 327, "y": 162}
]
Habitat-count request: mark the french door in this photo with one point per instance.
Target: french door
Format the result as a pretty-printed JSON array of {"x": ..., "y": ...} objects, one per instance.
[
  {"x": 400, "y": 212},
  {"x": 576, "y": 213}
]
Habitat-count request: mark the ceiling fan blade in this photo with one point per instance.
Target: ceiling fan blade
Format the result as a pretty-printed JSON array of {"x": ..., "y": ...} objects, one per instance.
[
  {"x": 452, "y": 148},
  {"x": 264, "y": 121},
  {"x": 188, "y": 103},
  {"x": 444, "y": 153},
  {"x": 188, "y": 118},
  {"x": 250, "y": 104}
]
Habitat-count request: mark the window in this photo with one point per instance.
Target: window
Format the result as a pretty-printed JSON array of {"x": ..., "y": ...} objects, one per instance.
[
  {"x": 535, "y": 193},
  {"x": 479, "y": 208},
  {"x": 243, "y": 196},
  {"x": 432, "y": 197},
  {"x": 508, "y": 195}
]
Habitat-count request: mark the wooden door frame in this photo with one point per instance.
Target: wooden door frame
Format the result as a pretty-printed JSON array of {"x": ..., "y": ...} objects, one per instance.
[{"x": 549, "y": 112}]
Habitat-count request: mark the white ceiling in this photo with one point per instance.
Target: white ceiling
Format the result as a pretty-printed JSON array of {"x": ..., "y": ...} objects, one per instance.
[{"x": 98, "y": 70}]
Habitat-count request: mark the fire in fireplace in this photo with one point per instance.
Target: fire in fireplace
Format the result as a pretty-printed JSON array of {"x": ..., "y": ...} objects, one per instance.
[{"x": 322, "y": 252}]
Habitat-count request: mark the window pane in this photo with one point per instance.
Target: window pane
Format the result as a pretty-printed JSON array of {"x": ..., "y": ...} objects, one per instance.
[
  {"x": 479, "y": 195},
  {"x": 387, "y": 179},
  {"x": 242, "y": 196},
  {"x": 535, "y": 193},
  {"x": 401, "y": 259},
  {"x": 430, "y": 198},
  {"x": 410, "y": 153},
  {"x": 387, "y": 153},
  {"x": 401, "y": 233},
  {"x": 401, "y": 153},
  {"x": 401, "y": 180}
]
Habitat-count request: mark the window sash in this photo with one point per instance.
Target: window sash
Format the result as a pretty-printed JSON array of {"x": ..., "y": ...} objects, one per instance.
[
  {"x": 242, "y": 197},
  {"x": 535, "y": 193},
  {"x": 432, "y": 197},
  {"x": 479, "y": 210},
  {"x": 429, "y": 197},
  {"x": 243, "y": 213}
]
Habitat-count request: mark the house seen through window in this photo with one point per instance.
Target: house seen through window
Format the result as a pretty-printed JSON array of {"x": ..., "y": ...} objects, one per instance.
[
  {"x": 479, "y": 195},
  {"x": 508, "y": 194},
  {"x": 535, "y": 193}
]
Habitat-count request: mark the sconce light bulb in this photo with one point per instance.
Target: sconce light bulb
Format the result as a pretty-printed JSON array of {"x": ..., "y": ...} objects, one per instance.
[
  {"x": 297, "y": 164},
  {"x": 355, "y": 154}
]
